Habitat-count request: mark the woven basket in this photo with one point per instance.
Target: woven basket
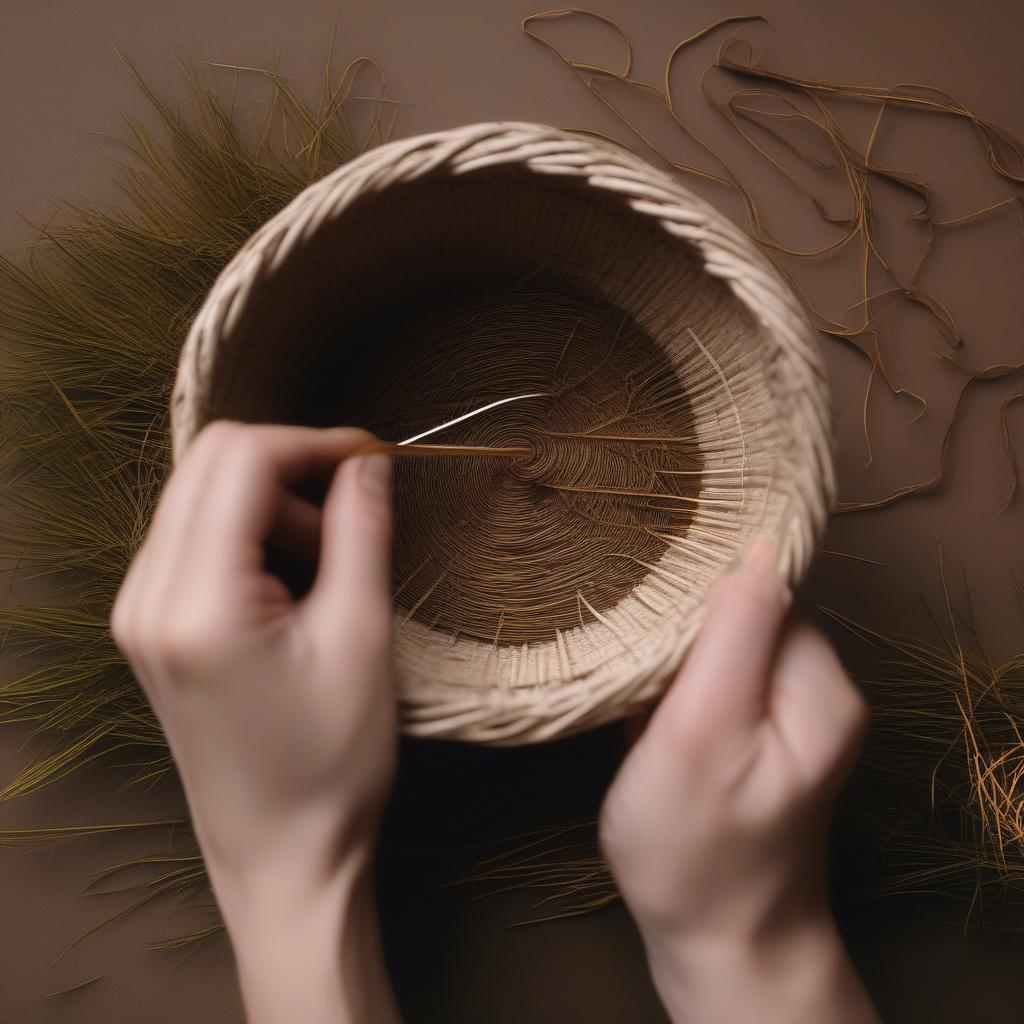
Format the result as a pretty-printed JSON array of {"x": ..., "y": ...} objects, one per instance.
[{"x": 412, "y": 218}]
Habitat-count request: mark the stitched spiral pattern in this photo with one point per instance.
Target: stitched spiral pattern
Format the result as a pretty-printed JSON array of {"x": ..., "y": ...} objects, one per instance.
[{"x": 708, "y": 420}]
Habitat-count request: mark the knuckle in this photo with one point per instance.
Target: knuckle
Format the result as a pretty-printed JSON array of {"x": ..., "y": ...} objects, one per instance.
[
  {"x": 858, "y": 713},
  {"x": 244, "y": 446},
  {"x": 758, "y": 592},
  {"x": 232, "y": 442},
  {"x": 217, "y": 433},
  {"x": 210, "y": 443},
  {"x": 120, "y": 626},
  {"x": 182, "y": 642}
]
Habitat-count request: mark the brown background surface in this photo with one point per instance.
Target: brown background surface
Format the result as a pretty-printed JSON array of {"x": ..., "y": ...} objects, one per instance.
[{"x": 456, "y": 61}]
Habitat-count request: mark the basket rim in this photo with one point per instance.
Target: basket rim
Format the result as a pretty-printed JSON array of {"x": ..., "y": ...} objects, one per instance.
[{"x": 515, "y": 715}]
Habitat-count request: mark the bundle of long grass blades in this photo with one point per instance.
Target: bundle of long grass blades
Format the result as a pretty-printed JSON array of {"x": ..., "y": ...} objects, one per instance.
[
  {"x": 92, "y": 324},
  {"x": 947, "y": 752}
]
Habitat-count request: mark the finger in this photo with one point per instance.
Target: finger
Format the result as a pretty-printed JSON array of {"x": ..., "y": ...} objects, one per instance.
[
  {"x": 724, "y": 681},
  {"x": 173, "y": 516},
  {"x": 293, "y": 544},
  {"x": 355, "y": 541},
  {"x": 815, "y": 705},
  {"x": 206, "y": 542},
  {"x": 295, "y": 531},
  {"x": 177, "y": 520},
  {"x": 243, "y": 494}
]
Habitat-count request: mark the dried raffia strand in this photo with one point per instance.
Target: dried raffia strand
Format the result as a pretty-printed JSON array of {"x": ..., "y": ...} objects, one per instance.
[
  {"x": 993, "y": 136},
  {"x": 975, "y": 376},
  {"x": 859, "y": 169},
  {"x": 855, "y": 165}
]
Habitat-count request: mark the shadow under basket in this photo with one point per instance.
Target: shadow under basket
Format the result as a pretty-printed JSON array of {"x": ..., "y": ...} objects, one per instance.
[{"x": 662, "y": 401}]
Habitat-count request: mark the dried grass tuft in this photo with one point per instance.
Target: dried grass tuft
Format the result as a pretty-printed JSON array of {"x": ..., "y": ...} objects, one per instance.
[{"x": 91, "y": 323}]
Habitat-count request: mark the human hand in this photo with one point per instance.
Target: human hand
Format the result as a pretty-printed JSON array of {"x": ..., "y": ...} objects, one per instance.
[
  {"x": 279, "y": 710},
  {"x": 716, "y": 826}
]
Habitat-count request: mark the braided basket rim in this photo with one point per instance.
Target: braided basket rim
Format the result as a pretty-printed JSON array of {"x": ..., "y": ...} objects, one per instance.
[{"x": 430, "y": 707}]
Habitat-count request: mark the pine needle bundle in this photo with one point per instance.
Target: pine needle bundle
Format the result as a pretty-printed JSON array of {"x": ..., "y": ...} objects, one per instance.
[{"x": 91, "y": 325}]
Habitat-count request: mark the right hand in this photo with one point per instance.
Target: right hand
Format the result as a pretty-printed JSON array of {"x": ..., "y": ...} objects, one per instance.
[{"x": 716, "y": 826}]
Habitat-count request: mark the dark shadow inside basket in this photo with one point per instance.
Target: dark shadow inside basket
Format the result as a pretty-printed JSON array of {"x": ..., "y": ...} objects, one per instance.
[{"x": 437, "y": 296}]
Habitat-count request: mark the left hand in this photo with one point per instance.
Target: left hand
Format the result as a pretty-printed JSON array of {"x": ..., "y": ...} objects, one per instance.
[{"x": 279, "y": 711}]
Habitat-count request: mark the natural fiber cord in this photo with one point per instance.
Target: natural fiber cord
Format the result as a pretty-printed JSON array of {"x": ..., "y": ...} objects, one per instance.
[{"x": 678, "y": 406}]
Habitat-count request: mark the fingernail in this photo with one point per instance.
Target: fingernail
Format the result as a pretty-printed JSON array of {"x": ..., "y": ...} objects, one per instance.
[
  {"x": 375, "y": 473},
  {"x": 734, "y": 563},
  {"x": 762, "y": 554}
]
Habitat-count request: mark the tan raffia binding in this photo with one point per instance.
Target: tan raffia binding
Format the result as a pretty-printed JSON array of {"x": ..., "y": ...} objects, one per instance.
[{"x": 525, "y": 199}]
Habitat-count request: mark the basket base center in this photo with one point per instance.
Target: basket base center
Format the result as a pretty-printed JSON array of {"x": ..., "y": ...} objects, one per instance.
[{"x": 511, "y": 549}]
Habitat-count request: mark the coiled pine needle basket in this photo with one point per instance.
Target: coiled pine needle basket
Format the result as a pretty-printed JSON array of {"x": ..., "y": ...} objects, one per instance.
[{"x": 656, "y": 394}]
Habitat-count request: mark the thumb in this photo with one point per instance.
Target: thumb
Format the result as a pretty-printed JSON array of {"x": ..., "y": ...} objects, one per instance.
[
  {"x": 724, "y": 682},
  {"x": 355, "y": 541}
]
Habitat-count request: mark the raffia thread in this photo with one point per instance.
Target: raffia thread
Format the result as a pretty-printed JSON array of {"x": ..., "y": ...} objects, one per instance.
[{"x": 686, "y": 407}]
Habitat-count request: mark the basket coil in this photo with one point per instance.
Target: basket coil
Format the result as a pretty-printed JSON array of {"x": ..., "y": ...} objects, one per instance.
[{"x": 683, "y": 407}]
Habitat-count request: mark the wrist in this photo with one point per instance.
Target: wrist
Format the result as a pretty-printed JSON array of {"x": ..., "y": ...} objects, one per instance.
[
  {"x": 311, "y": 953},
  {"x": 690, "y": 952},
  {"x": 797, "y": 973},
  {"x": 276, "y": 890}
]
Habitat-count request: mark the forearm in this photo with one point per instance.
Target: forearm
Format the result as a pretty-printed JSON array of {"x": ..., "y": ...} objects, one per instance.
[
  {"x": 315, "y": 958},
  {"x": 802, "y": 978}
]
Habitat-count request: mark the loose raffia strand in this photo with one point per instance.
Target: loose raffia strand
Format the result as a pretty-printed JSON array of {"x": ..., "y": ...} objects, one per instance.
[{"x": 855, "y": 165}]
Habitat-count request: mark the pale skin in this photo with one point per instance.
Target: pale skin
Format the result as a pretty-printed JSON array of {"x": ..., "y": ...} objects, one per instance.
[{"x": 280, "y": 713}]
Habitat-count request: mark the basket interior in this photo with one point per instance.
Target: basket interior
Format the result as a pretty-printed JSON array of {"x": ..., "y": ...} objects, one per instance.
[{"x": 651, "y": 449}]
